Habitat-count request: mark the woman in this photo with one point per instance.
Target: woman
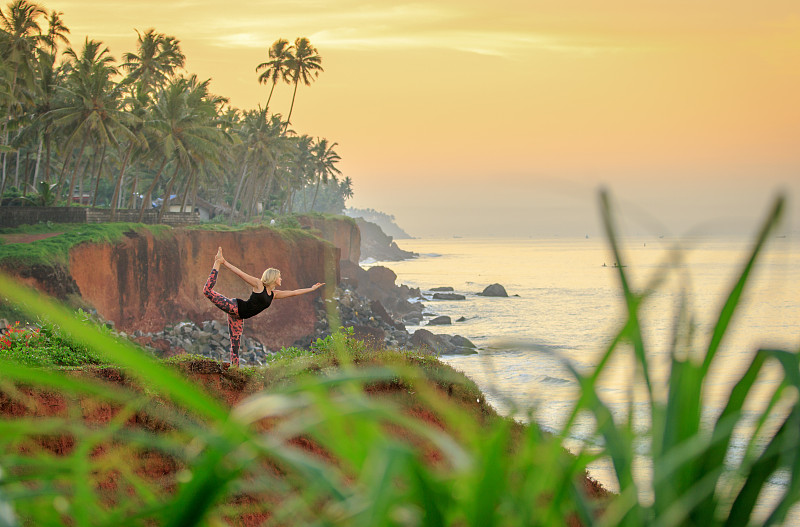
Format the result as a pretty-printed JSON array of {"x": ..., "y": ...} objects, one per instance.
[{"x": 263, "y": 294}]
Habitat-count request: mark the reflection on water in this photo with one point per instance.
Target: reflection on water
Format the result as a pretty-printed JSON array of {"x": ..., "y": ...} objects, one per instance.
[{"x": 565, "y": 306}]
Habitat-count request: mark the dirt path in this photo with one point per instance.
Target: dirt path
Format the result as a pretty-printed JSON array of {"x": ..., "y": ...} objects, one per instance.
[{"x": 27, "y": 238}]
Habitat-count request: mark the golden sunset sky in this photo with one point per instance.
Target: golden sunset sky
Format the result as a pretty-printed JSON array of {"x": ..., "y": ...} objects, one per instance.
[{"x": 502, "y": 118}]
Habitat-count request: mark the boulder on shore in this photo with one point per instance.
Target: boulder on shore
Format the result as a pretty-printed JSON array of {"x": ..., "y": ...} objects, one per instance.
[
  {"x": 494, "y": 290},
  {"x": 442, "y": 344}
]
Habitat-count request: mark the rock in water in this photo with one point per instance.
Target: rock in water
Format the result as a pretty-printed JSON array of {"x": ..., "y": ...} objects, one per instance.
[
  {"x": 440, "y": 321},
  {"x": 494, "y": 290},
  {"x": 448, "y": 296},
  {"x": 461, "y": 342},
  {"x": 442, "y": 289},
  {"x": 424, "y": 339}
]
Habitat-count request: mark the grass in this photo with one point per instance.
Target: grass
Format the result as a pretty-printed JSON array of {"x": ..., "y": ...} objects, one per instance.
[
  {"x": 314, "y": 446},
  {"x": 56, "y": 249}
]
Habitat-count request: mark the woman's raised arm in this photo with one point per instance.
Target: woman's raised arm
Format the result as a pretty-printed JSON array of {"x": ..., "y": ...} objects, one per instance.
[{"x": 295, "y": 292}]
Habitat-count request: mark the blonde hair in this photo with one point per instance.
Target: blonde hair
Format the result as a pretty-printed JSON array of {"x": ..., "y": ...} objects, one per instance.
[{"x": 270, "y": 277}]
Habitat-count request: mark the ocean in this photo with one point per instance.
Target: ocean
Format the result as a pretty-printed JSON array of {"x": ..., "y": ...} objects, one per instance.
[{"x": 565, "y": 305}]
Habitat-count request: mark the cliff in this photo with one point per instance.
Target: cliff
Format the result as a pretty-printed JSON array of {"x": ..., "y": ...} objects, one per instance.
[
  {"x": 340, "y": 231},
  {"x": 145, "y": 282}
]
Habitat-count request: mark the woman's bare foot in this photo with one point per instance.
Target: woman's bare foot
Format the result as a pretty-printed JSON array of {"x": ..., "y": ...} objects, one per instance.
[{"x": 218, "y": 259}]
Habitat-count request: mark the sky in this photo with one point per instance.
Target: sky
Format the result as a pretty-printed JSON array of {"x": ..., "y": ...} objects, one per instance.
[{"x": 504, "y": 118}]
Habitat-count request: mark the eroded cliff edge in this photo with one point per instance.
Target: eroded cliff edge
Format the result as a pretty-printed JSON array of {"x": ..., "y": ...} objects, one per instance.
[{"x": 144, "y": 282}]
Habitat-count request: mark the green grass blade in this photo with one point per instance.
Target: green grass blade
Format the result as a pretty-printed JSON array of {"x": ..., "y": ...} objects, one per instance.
[
  {"x": 728, "y": 309},
  {"x": 773, "y": 457},
  {"x": 681, "y": 424},
  {"x": 632, "y": 300}
]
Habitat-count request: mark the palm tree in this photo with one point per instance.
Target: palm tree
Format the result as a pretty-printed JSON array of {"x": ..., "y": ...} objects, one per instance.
[
  {"x": 92, "y": 109},
  {"x": 299, "y": 169},
  {"x": 49, "y": 77},
  {"x": 277, "y": 67},
  {"x": 20, "y": 36},
  {"x": 57, "y": 32},
  {"x": 324, "y": 159},
  {"x": 185, "y": 125},
  {"x": 157, "y": 59},
  {"x": 263, "y": 142},
  {"x": 304, "y": 64}
]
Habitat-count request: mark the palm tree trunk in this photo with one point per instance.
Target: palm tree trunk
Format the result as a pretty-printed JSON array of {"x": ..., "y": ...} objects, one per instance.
[
  {"x": 192, "y": 177},
  {"x": 270, "y": 180},
  {"x": 38, "y": 160},
  {"x": 118, "y": 185},
  {"x": 194, "y": 194},
  {"x": 24, "y": 173},
  {"x": 294, "y": 94},
  {"x": 316, "y": 190},
  {"x": 270, "y": 95},
  {"x": 146, "y": 198},
  {"x": 89, "y": 168},
  {"x": 238, "y": 189},
  {"x": 47, "y": 141},
  {"x": 134, "y": 184},
  {"x": 16, "y": 170},
  {"x": 75, "y": 172},
  {"x": 165, "y": 201},
  {"x": 99, "y": 172},
  {"x": 68, "y": 151}
]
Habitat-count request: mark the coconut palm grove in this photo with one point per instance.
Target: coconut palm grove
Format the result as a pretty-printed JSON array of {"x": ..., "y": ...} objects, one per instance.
[{"x": 82, "y": 125}]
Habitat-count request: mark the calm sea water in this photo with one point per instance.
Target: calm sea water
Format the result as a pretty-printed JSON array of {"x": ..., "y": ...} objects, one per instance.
[{"x": 566, "y": 305}]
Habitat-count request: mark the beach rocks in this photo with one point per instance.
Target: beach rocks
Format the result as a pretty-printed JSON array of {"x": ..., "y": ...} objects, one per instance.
[
  {"x": 440, "y": 321},
  {"x": 442, "y": 344},
  {"x": 210, "y": 339},
  {"x": 378, "y": 283},
  {"x": 448, "y": 296},
  {"x": 494, "y": 290}
]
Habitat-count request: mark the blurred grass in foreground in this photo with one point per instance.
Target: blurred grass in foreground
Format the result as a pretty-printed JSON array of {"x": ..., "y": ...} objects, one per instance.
[{"x": 344, "y": 436}]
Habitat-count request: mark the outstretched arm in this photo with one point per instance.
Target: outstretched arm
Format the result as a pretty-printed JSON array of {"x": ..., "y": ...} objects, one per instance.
[
  {"x": 295, "y": 292},
  {"x": 252, "y": 281}
]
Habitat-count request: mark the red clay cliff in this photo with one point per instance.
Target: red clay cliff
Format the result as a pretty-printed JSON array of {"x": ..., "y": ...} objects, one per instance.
[{"x": 145, "y": 282}]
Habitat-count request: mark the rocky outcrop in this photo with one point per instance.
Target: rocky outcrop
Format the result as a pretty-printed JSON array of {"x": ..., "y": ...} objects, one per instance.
[
  {"x": 146, "y": 282},
  {"x": 340, "y": 231},
  {"x": 378, "y": 246},
  {"x": 378, "y": 283}
]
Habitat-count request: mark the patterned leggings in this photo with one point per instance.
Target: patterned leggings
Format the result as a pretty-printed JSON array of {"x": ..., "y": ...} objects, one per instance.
[{"x": 228, "y": 305}]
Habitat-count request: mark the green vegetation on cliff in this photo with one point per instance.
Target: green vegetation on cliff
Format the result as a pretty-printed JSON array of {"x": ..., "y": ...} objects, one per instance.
[{"x": 51, "y": 242}]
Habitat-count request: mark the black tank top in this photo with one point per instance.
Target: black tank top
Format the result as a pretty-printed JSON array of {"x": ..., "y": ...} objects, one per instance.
[{"x": 254, "y": 305}]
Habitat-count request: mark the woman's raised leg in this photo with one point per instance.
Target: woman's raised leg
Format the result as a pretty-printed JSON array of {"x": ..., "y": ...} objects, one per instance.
[
  {"x": 235, "y": 328},
  {"x": 226, "y": 304}
]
